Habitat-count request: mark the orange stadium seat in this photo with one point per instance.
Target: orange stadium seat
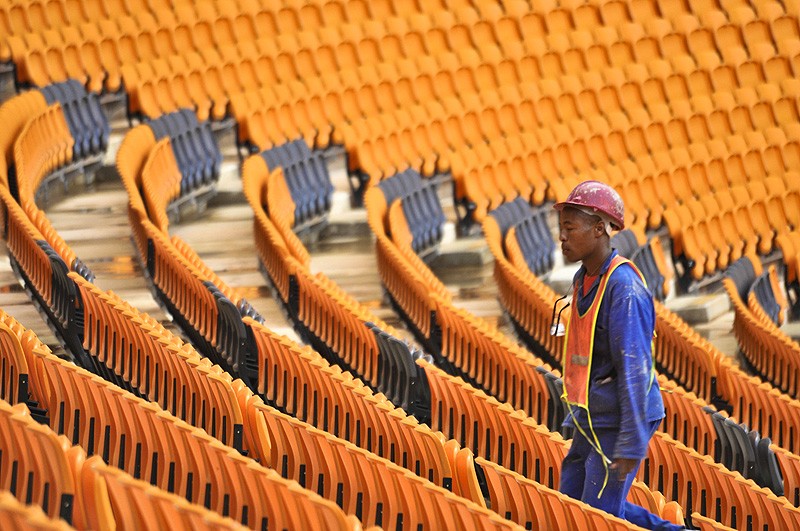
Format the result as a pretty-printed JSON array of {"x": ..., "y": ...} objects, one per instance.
[{"x": 35, "y": 468}]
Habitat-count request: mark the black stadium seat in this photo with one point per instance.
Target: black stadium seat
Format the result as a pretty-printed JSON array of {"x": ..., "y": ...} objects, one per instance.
[
  {"x": 532, "y": 232},
  {"x": 421, "y": 207},
  {"x": 401, "y": 379},
  {"x": 762, "y": 289},
  {"x": 306, "y": 177},
  {"x": 196, "y": 151},
  {"x": 85, "y": 118}
]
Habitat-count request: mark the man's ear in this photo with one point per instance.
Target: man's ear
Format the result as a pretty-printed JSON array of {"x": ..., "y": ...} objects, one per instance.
[{"x": 600, "y": 228}]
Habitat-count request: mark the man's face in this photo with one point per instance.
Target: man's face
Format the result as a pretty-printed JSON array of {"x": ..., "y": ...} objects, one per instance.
[{"x": 578, "y": 233}]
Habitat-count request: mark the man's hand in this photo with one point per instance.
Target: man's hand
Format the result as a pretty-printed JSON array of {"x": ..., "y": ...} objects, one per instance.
[{"x": 623, "y": 467}]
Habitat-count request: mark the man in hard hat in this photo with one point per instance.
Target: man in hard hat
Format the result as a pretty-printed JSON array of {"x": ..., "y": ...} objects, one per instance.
[{"x": 610, "y": 386}]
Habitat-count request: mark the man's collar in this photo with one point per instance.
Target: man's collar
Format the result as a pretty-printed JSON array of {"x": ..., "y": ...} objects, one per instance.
[{"x": 582, "y": 271}]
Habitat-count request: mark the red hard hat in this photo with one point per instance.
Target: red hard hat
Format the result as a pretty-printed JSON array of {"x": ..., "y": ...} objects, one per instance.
[{"x": 599, "y": 198}]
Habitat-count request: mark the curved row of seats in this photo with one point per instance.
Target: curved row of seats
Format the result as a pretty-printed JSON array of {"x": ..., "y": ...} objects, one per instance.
[
  {"x": 154, "y": 446},
  {"x": 157, "y": 174},
  {"x": 45, "y": 471},
  {"x": 769, "y": 351}
]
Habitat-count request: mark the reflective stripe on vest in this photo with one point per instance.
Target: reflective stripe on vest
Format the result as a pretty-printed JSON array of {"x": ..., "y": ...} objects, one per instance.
[{"x": 579, "y": 340}]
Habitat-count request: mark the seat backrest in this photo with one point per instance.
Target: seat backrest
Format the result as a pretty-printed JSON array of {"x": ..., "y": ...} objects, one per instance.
[
  {"x": 399, "y": 377},
  {"x": 763, "y": 290},
  {"x": 421, "y": 206},
  {"x": 307, "y": 178},
  {"x": 13, "y": 367},
  {"x": 196, "y": 151},
  {"x": 536, "y": 242},
  {"x": 742, "y": 273},
  {"x": 34, "y": 465},
  {"x": 88, "y": 124},
  {"x": 510, "y": 213},
  {"x": 18, "y": 515},
  {"x": 625, "y": 243},
  {"x": 158, "y": 365}
]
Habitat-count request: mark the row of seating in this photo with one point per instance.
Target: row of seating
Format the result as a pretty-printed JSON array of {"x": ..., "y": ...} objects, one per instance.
[
  {"x": 706, "y": 13},
  {"x": 50, "y": 141},
  {"x": 42, "y": 270},
  {"x": 94, "y": 51},
  {"x": 19, "y": 18},
  {"x": 711, "y": 233},
  {"x": 768, "y": 350},
  {"x": 135, "y": 352},
  {"x": 209, "y": 310},
  {"x": 366, "y": 485},
  {"x": 43, "y": 146},
  {"x": 22, "y": 17},
  {"x": 212, "y": 319},
  {"x": 43, "y": 471},
  {"x": 88, "y": 410}
]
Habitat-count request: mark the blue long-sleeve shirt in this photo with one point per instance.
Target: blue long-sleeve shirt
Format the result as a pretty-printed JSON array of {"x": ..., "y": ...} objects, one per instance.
[{"x": 623, "y": 392}]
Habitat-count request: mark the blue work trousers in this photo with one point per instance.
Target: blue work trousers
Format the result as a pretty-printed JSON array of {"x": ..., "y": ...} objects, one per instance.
[{"x": 582, "y": 475}]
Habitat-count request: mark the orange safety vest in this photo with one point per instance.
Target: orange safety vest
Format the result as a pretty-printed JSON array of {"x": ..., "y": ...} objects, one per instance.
[{"x": 579, "y": 340}]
